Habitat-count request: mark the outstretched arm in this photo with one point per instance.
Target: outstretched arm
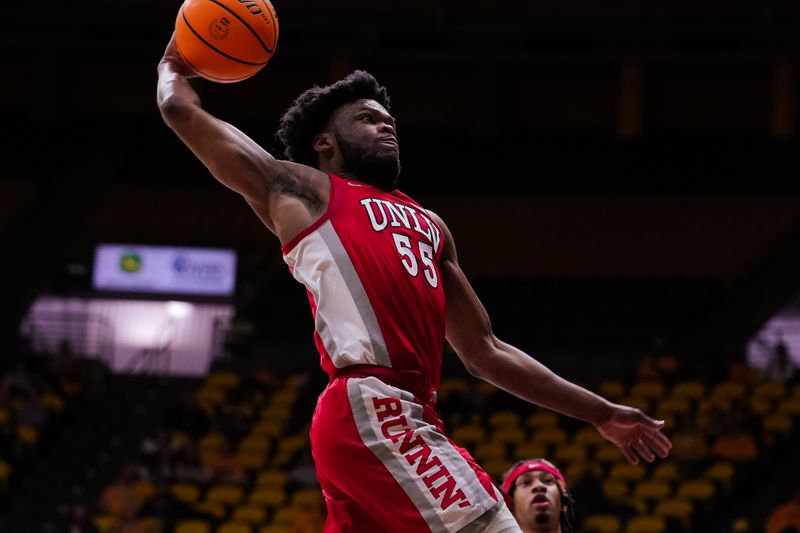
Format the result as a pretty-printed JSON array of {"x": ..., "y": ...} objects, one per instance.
[
  {"x": 278, "y": 191},
  {"x": 469, "y": 332}
]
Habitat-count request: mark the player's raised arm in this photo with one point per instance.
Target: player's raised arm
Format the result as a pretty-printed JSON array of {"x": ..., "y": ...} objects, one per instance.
[
  {"x": 469, "y": 331},
  {"x": 232, "y": 157}
]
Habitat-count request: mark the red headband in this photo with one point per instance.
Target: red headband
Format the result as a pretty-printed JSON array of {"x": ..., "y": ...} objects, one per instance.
[{"x": 530, "y": 466}]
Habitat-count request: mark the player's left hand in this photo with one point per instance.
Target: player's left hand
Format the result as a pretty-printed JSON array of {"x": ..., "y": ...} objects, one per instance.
[{"x": 637, "y": 435}]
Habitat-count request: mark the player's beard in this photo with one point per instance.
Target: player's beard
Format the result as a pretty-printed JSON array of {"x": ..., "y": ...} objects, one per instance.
[{"x": 379, "y": 169}]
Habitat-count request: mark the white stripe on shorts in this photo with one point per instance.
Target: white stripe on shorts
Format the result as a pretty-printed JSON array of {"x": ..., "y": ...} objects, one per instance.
[{"x": 424, "y": 463}]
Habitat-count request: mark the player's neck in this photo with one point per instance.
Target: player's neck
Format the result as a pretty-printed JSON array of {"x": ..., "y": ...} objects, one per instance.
[{"x": 337, "y": 169}]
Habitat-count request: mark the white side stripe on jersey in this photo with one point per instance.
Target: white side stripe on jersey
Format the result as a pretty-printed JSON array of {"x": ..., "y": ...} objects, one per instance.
[{"x": 345, "y": 320}]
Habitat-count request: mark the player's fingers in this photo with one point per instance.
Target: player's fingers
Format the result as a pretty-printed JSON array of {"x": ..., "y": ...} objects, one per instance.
[
  {"x": 643, "y": 451},
  {"x": 630, "y": 455},
  {"x": 659, "y": 443}
]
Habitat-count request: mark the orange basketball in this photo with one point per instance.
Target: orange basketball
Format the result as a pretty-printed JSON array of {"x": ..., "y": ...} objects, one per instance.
[{"x": 226, "y": 40}]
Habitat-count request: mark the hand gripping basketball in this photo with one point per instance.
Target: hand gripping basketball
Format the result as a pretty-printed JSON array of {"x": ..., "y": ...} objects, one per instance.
[{"x": 226, "y": 40}]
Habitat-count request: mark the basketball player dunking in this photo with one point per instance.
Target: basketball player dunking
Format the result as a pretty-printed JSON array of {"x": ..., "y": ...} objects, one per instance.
[{"x": 386, "y": 291}]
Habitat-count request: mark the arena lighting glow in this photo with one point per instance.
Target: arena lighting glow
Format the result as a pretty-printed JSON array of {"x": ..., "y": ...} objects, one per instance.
[
  {"x": 185, "y": 331},
  {"x": 179, "y": 310}
]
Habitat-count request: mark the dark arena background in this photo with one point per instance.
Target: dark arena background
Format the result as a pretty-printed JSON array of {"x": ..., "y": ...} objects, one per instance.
[{"x": 622, "y": 182}]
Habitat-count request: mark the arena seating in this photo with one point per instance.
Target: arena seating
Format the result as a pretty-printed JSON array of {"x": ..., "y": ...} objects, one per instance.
[{"x": 248, "y": 469}]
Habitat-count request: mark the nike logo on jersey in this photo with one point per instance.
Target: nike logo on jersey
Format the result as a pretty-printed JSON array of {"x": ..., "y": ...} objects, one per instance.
[{"x": 353, "y": 184}]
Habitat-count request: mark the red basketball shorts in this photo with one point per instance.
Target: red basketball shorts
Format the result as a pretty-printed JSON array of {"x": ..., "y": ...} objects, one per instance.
[{"x": 384, "y": 464}]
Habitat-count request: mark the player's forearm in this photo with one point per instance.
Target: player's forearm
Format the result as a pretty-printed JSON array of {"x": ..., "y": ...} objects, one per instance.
[
  {"x": 175, "y": 94},
  {"x": 521, "y": 375}
]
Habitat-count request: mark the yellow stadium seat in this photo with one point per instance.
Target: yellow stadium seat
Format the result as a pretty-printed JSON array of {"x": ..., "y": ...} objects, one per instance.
[
  {"x": 647, "y": 389},
  {"x": 255, "y": 444},
  {"x": 627, "y": 472},
  {"x": 207, "y": 396},
  {"x": 106, "y": 522},
  {"x": 601, "y": 523},
  {"x": 550, "y": 436},
  {"x": 670, "y": 407},
  {"x": 761, "y": 406},
  {"x": 222, "y": 380},
  {"x": 678, "y": 509},
  {"x": 151, "y": 524},
  {"x": 769, "y": 391},
  {"x": 293, "y": 443},
  {"x": 490, "y": 451},
  {"x": 450, "y": 385},
  {"x": 577, "y": 471},
  {"x": 728, "y": 390},
  {"x": 276, "y": 411},
  {"x": 615, "y": 490},
  {"x": 653, "y": 490},
  {"x": 504, "y": 419},
  {"x": 509, "y": 435},
  {"x": 307, "y": 498},
  {"x": 486, "y": 390},
  {"x": 666, "y": 471},
  {"x": 777, "y": 423},
  {"x": 790, "y": 406},
  {"x": 283, "y": 400},
  {"x": 569, "y": 453},
  {"x": 252, "y": 514},
  {"x": 722, "y": 472},
  {"x": 267, "y": 428},
  {"x": 193, "y": 526},
  {"x": 271, "y": 478},
  {"x": 288, "y": 447},
  {"x": 530, "y": 450},
  {"x": 469, "y": 434},
  {"x": 646, "y": 524},
  {"x": 28, "y": 435},
  {"x": 286, "y": 516},
  {"x": 144, "y": 489},
  {"x": 5, "y": 472},
  {"x": 608, "y": 453},
  {"x": 217, "y": 510},
  {"x": 185, "y": 492},
  {"x": 274, "y": 529},
  {"x": 496, "y": 467},
  {"x": 694, "y": 390},
  {"x": 53, "y": 402},
  {"x": 589, "y": 436},
  {"x": 224, "y": 494},
  {"x": 235, "y": 527},
  {"x": 252, "y": 460},
  {"x": 542, "y": 419},
  {"x": 270, "y": 497},
  {"x": 211, "y": 442},
  {"x": 696, "y": 490},
  {"x": 612, "y": 389},
  {"x": 640, "y": 402}
]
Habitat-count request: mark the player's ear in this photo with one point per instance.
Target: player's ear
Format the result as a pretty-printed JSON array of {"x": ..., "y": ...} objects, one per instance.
[{"x": 324, "y": 143}]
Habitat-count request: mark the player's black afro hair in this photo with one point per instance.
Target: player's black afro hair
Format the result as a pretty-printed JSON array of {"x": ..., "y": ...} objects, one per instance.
[{"x": 309, "y": 113}]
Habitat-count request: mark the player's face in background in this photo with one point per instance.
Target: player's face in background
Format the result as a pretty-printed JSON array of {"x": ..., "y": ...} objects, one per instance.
[
  {"x": 367, "y": 141},
  {"x": 537, "y": 501}
]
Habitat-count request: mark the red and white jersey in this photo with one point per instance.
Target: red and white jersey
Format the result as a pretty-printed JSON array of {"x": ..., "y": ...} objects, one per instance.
[{"x": 371, "y": 268}]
